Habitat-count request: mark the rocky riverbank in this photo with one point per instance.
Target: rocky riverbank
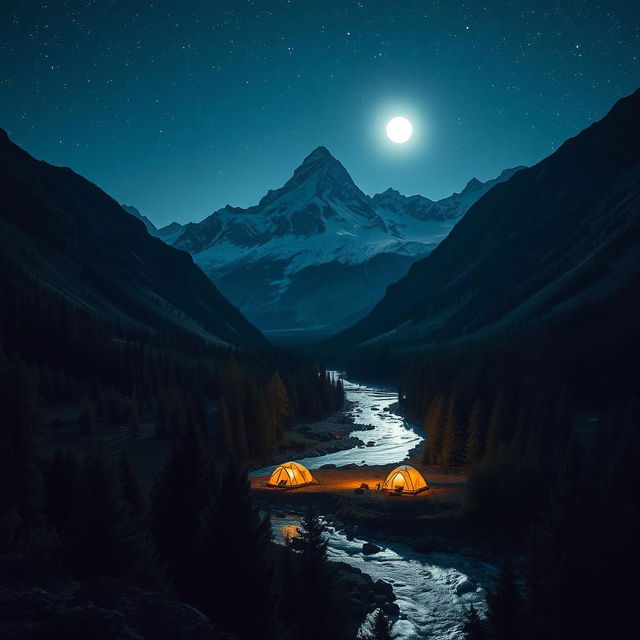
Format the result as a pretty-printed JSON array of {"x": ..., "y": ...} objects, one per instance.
[{"x": 325, "y": 436}]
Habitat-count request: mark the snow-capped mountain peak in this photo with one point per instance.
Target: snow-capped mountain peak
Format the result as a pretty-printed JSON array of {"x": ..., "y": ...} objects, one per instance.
[{"x": 280, "y": 260}]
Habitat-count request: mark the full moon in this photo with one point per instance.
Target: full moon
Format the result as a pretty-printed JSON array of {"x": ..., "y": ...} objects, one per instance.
[{"x": 399, "y": 129}]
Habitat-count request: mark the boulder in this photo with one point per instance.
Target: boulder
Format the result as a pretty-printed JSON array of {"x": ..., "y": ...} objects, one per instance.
[
  {"x": 149, "y": 613},
  {"x": 465, "y": 586},
  {"x": 295, "y": 543},
  {"x": 391, "y": 609},
  {"x": 368, "y": 548},
  {"x": 384, "y": 588},
  {"x": 88, "y": 621},
  {"x": 162, "y": 620},
  {"x": 328, "y": 466}
]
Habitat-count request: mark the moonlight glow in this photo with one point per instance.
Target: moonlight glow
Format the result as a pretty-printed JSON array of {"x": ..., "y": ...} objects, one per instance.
[{"x": 399, "y": 130}]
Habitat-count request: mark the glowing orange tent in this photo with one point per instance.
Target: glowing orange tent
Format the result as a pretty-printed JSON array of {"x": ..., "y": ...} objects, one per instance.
[
  {"x": 404, "y": 479},
  {"x": 290, "y": 475}
]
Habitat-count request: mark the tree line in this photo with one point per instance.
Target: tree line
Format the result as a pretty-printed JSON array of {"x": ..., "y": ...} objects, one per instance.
[
  {"x": 196, "y": 535},
  {"x": 123, "y": 375},
  {"x": 549, "y": 430},
  {"x": 572, "y": 582}
]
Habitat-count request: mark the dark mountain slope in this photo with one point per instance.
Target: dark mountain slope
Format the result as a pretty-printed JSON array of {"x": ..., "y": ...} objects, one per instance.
[
  {"x": 557, "y": 235},
  {"x": 73, "y": 238}
]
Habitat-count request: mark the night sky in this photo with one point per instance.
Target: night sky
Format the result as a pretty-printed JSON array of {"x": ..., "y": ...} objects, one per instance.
[{"x": 181, "y": 107}]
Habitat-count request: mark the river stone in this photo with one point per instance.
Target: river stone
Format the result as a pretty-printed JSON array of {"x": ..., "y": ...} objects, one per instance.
[
  {"x": 465, "y": 586},
  {"x": 369, "y": 548},
  {"x": 391, "y": 609},
  {"x": 328, "y": 466},
  {"x": 385, "y": 589}
]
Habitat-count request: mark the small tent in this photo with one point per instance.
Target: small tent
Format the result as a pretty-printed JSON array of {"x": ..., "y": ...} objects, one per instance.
[
  {"x": 290, "y": 475},
  {"x": 404, "y": 479}
]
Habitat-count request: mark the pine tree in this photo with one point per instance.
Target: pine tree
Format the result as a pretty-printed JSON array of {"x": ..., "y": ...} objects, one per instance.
[
  {"x": 131, "y": 488},
  {"x": 133, "y": 424},
  {"x": 378, "y": 628},
  {"x": 176, "y": 412},
  {"x": 311, "y": 543},
  {"x": 240, "y": 438},
  {"x": 61, "y": 478},
  {"x": 235, "y": 548},
  {"x": 260, "y": 434},
  {"x": 86, "y": 418},
  {"x": 556, "y": 557},
  {"x": 497, "y": 426},
  {"x": 98, "y": 542},
  {"x": 277, "y": 401},
  {"x": 21, "y": 483},
  {"x": 316, "y": 589},
  {"x": 504, "y": 615},
  {"x": 161, "y": 419},
  {"x": 475, "y": 438},
  {"x": 179, "y": 498},
  {"x": 145, "y": 568},
  {"x": 224, "y": 446},
  {"x": 435, "y": 432},
  {"x": 474, "y": 627},
  {"x": 452, "y": 440}
]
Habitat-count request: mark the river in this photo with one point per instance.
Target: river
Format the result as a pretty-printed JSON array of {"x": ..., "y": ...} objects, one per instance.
[{"x": 426, "y": 584}]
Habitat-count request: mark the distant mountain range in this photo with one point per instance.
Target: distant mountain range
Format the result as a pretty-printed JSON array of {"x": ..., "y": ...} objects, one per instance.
[
  {"x": 167, "y": 233},
  {"x": 71, "y": 239},
  {"x": 317, "y": 253},
  {"x": 559, "y": 242}
]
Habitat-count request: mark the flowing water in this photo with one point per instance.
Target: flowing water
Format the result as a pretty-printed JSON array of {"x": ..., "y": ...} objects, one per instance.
[
  {"x": 425, "y": 584},
  {"x": 392, "y": 437}
]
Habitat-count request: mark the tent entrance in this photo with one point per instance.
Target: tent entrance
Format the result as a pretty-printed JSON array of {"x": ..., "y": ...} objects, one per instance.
[{"x": 397, "y": 484}]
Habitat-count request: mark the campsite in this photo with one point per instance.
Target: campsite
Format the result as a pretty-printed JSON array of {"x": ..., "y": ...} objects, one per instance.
[
  {"x": 319, "y": 320},
  {"x": 351, "y": 495}
]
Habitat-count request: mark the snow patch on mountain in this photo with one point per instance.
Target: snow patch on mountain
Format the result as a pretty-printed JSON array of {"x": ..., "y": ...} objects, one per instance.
[{"x": 319, "y": 224}]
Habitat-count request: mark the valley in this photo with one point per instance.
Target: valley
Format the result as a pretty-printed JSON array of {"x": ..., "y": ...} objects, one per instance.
[{"x": 153, "y": 379}]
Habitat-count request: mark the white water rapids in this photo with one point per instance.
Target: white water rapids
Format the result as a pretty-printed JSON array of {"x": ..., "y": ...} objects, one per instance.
[{"x": 425, "y": 584}]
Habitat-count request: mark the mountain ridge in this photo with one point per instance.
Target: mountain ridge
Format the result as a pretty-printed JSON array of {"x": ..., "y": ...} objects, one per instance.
[
  {"x": 530, "y": 246},
  {"x": 319, "y": 238},
  {"x": 74, "y": 238}
]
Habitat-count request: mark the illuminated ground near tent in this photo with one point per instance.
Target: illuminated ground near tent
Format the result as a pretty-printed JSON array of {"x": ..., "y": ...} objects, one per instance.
[{"x": 445, "y": 484}]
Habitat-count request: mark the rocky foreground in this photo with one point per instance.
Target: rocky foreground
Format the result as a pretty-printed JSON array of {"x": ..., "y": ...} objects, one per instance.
[
  {"x": 99, "y": 608},
  {"x": 55, "y": 607}
]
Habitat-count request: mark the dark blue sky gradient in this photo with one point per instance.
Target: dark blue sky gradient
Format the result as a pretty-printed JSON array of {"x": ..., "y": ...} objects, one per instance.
[{"x": 181, "y": 107}]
